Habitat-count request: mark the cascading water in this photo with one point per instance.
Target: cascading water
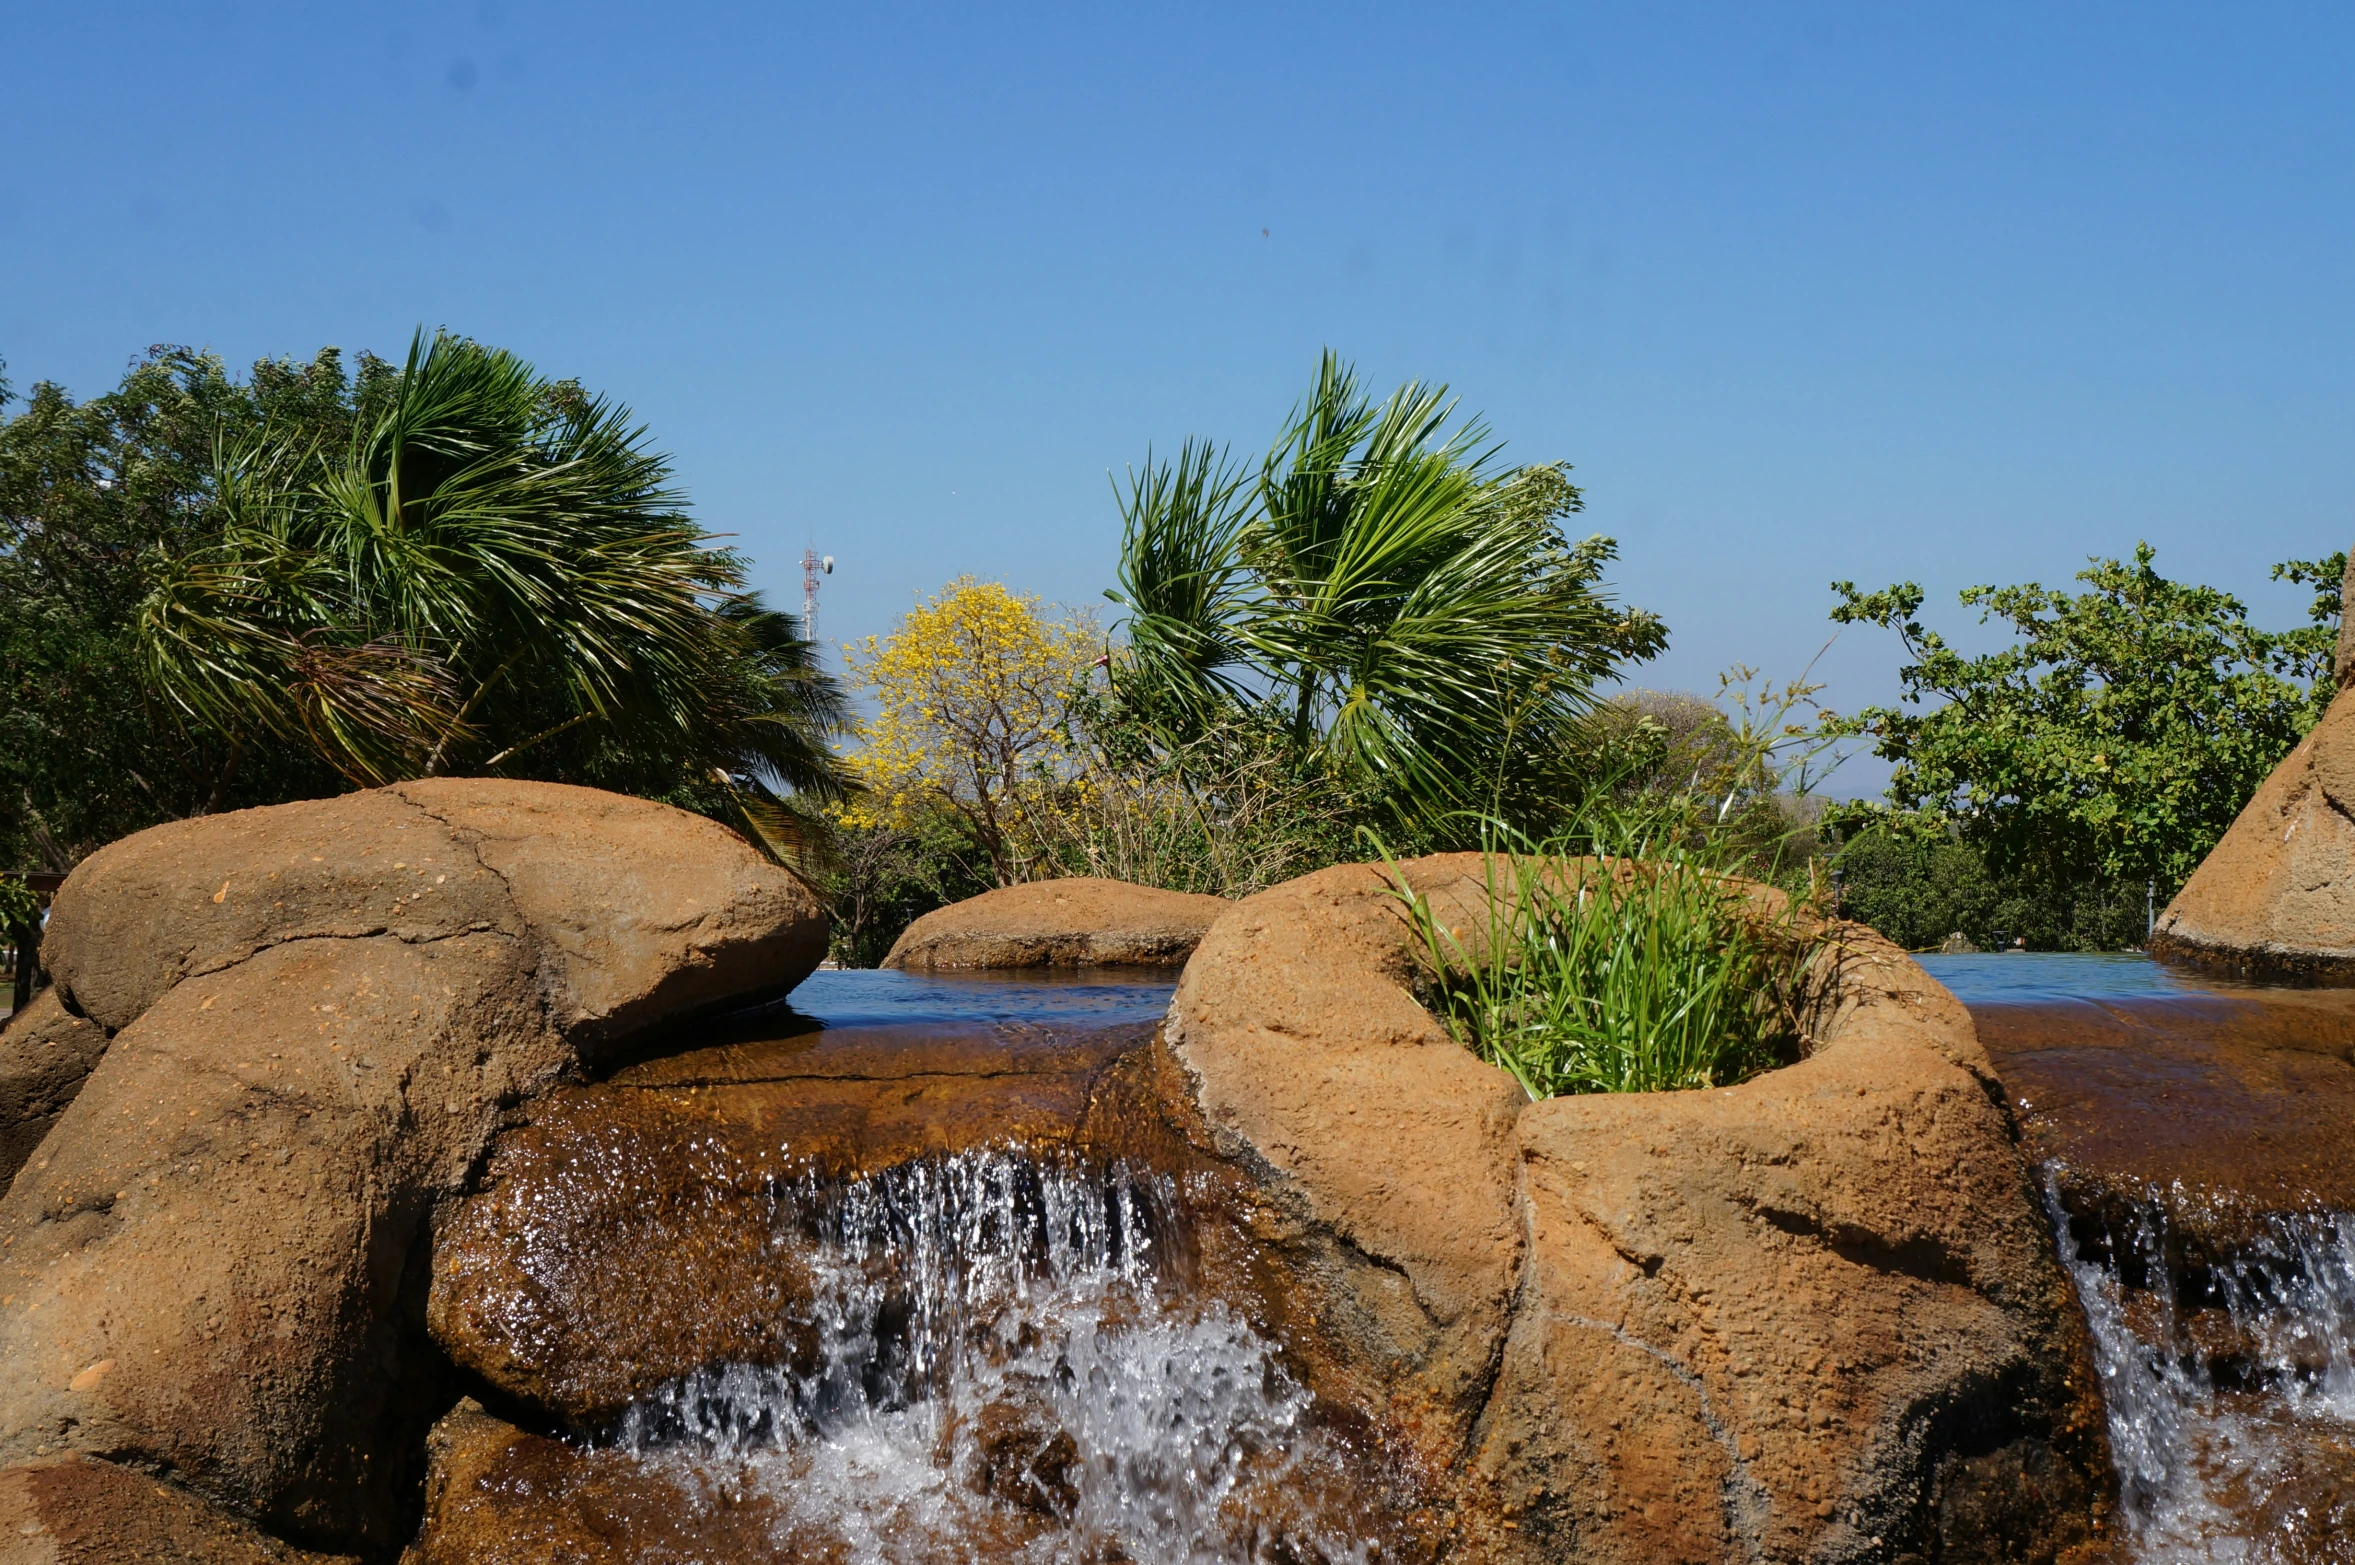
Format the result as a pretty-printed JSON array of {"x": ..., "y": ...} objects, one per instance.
[
  {"x": 2195, "y": 1148},
  {"x": 2220, "y": 1412},
  {"x": 1009, "y": 1367}
]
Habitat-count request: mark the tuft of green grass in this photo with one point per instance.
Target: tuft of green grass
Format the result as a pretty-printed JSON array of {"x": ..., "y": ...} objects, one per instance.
[{"x": 1644, "y": 971}]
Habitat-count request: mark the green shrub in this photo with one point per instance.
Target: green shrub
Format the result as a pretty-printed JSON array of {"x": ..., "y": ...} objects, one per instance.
[
  {"x": 1642, "y": 972},
  {"x": 1918, "y": 887}
]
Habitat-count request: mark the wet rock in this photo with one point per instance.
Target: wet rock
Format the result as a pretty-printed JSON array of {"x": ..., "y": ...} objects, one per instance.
[
  {"x": 2275, "y": 898},
  {"x": 1023, "y": 1458},
  {"x": 564, "y": 1280},
  {"x": 2226, "y": 1109},
  {"x": 498, "y": 1495},
  {"x": 46, "y": 1053},
  {"x": 1805, "y": 1316},
  {"x": 1060, "y": 923},
  {"x": 215, "y": 1263},
  {"x": 73, "y": 1510}
]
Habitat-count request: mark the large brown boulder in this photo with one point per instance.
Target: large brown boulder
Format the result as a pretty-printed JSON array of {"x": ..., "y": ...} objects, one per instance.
[
  {"x": 1059, "y": 923},
  {"x": 1813, "y": 1316},
  {"x": 215, "y": 1263},
  {"x": 72, "y": 1510},
  {"x": 46, "y": 1052},
  {"x": 2276, "y": 897}
]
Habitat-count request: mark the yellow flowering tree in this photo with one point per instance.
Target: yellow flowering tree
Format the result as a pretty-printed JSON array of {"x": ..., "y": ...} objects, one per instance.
[{"x": 974, "y": 697}]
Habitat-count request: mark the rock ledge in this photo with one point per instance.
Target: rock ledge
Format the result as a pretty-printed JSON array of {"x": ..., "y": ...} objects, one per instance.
[{"x": 1059, "y": 923}]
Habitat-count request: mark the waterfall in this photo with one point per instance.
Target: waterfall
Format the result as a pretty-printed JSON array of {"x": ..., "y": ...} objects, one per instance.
[
  {"x": 2229, "y": 1385},
  {"x": 1008, "y": 1367}
]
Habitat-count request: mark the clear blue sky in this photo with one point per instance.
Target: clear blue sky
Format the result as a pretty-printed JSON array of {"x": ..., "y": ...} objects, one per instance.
[{"x": 1956, "y": 293}]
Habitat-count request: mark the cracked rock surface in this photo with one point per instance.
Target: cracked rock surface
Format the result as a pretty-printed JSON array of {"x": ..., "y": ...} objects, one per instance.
[
  {"x": 1816, "y": 1316},
  {"x": 214, "y": 1265}
]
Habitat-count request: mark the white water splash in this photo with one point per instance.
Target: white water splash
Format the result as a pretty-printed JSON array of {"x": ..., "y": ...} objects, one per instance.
[
  {"x": 2212, "y": 1472},
  {"x": 1005, "y": 1372}
]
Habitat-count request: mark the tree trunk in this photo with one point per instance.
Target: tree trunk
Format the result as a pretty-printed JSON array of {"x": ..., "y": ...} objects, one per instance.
[{"x": 28, "y": 961}]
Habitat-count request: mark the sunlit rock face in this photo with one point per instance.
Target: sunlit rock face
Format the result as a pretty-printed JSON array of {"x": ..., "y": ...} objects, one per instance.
[
  {"x": 214, "y": 1263},
  {"x": 1079, "y": 922},
  {"x": 2275, "y": 899},
  {"x": 1816, "y": 1315}
]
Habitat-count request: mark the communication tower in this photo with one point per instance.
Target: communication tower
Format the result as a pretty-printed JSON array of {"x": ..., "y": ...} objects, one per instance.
[{"x": 813, "y": 566}]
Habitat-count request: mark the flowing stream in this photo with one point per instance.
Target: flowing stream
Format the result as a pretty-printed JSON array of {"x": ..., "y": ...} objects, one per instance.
[
  {"x": 2221, "y": 1298},
  {"x": 2224, "y": 1437},
  {"x": 1015, "y": 1355},
  {"x": 1004, "y": 1372}
]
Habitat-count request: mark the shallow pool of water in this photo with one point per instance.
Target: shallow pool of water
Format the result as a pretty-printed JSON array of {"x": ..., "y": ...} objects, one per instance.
[
  {"x": 2027, "y": 977},
  {"x": 876, "y": 997}
]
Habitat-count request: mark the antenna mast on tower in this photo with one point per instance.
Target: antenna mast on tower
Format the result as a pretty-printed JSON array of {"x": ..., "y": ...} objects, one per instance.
[{"x": 813, "y": 565}]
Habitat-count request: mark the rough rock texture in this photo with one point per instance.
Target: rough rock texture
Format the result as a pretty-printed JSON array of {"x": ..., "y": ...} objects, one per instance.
[
  {"x": 215, "y": 1263},
  {"x": 673, "y": 1169},
  {"x": 46, "y": 1053},
  {"x": 1060, "y": 923},
  {"x": 72, "y": 1510},
  {"x": 634, "y": 911},
  {"x": 2276, "y": 897},
  {"x": 1815, "y": 1316}
]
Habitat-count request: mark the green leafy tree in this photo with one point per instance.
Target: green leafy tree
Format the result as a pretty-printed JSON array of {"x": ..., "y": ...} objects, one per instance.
[
  {"x": 2111, "y": 745},
  {"x": 1414, "y": 615},
  {"x": 494, "y": 563},
  {"x": 1919, "y": 887},
  {"x": 89, "y": 492},
  {"x": 215, "y": 594}
]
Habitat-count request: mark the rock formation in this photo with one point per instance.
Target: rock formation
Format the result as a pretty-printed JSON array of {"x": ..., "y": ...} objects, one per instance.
[
  {"x": 2275, "y": 898},
  {"x": 1813, "y": 1316},
  {"x": 46, "y": 1052},
  {"x": 214, "y": 1265},
  {"x": 74, "y": 1510},
  {"x": 1059, "y": 923}
]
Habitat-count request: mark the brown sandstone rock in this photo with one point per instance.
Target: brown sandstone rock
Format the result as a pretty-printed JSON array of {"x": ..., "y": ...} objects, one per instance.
[
  {"x": 638, "y": 912},
  {"x": 46, "y": 1052},
  {"x": 499, "y": 1495},
  {"x": 1812, "y": 1316},
  {"x": 216, "y": 1261},
  {"x": 1060, "y": 923},
  {"x": 1385, "y": 1143},
  {"x": 635, "y": 911},
  {"x": 193, "y": 897},
  {"x": 632, "y": 1231},
  {"x": 72, "y": 1510},
  {"x": 2276, "y": 897}
]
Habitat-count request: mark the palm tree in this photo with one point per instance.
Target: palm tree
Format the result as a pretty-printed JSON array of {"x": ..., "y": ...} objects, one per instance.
[
  {"x": 1414, "y": 615},
  {"x": 497, "y": 576}
]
